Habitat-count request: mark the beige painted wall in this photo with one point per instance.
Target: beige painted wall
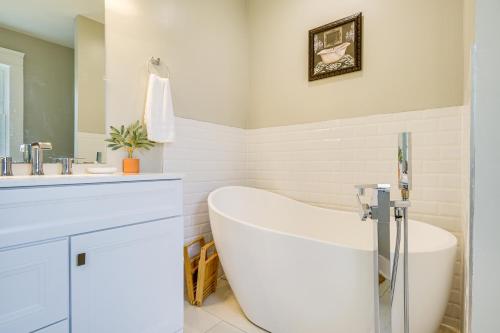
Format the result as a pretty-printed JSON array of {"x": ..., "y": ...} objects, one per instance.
[
  {"x": 243, "y": 63},
  {"x": 468, "y": 34},
  {"x": 89, "y": 75},
  {"x": 413, "y": 58},
  {"x": 48, "y": 90},
  {"x": 203, "y": 43}
]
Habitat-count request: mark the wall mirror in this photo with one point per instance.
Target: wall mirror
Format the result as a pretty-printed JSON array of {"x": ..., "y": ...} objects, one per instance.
[{"x": 52, "y": 57}]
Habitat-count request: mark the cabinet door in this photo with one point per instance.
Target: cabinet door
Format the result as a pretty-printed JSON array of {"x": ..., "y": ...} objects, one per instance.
[
  {"x": 128, "y": 280},
  {"x": 33, "y": 286}
]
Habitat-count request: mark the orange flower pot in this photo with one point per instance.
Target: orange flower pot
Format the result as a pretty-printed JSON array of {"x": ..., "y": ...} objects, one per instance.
[{"x": 131, "y": 165}]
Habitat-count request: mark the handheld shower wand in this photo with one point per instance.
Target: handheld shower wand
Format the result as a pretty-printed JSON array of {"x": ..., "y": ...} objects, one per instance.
[{"x": 404, "y": 165}]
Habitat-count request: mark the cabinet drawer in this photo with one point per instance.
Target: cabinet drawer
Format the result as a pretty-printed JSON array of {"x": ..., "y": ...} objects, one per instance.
[
  {"x": 33, "y": 286},
  {"x": 77, "y": 209}
]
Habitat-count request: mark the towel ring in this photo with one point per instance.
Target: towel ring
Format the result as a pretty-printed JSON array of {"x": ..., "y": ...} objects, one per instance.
[{"x": 156, "y": 62}]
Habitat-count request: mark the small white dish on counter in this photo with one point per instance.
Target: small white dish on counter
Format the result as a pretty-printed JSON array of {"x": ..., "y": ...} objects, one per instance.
[{"x": 101, "y": 170}]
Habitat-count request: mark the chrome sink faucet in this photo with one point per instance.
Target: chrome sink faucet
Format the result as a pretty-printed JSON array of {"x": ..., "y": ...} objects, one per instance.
[{"x": 37, "y": 149}]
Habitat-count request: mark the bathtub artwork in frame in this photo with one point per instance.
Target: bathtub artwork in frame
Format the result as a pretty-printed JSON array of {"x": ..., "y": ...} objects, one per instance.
[{"x": 335, "y": 48}]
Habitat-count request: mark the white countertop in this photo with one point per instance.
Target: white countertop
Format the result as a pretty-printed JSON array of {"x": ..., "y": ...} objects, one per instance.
[{"x": 51, "y": 180}]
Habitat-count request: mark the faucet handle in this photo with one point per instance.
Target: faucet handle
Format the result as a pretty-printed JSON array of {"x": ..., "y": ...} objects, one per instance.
[
  {"x": 364, "y": 209},
  {"x": 5, "y": 166},
  {"x": 66, "y": 164}
]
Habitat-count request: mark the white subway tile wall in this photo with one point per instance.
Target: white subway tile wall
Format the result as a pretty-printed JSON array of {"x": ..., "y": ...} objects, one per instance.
[
  {"x": 210, "y": 156},
  {"x": 319, "y": 163}
]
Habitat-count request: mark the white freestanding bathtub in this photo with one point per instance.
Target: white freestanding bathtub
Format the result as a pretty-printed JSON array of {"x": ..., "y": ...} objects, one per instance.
[{"x": 296, "y": 268}]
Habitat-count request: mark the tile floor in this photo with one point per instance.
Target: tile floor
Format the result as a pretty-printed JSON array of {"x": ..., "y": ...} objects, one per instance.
[{"x": 220, "y": 313}]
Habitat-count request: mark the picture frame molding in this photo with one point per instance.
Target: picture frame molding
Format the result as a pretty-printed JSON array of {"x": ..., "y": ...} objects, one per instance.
[{"x": 357, "y": 19}]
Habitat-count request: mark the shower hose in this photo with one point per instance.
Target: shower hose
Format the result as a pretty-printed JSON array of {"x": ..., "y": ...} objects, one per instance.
[{"x": 399, "y": 218}]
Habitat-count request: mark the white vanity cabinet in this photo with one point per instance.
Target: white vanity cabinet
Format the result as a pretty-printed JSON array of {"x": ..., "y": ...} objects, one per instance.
[{"x": 91, "y": 255}]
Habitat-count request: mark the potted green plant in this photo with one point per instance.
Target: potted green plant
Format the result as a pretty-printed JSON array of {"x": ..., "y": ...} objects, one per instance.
[{"x": 130, "y": 139}]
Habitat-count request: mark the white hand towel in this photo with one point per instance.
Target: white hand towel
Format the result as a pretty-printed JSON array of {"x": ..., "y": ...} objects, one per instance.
[{"x": 159, "y": 114}]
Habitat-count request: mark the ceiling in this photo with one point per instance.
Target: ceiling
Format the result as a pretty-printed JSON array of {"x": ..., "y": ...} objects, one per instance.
[{"x": 51, "y": 20}]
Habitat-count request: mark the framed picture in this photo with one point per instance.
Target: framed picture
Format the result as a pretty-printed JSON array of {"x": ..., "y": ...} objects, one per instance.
[{"x": 335, "y": 48}]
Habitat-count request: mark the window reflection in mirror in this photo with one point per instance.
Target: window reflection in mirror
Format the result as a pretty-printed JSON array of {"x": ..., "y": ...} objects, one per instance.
[{"x": 52, "y": 77}]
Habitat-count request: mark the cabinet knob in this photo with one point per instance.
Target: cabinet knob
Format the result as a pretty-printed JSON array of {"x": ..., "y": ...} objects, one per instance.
[{"x": 80, "y": 259}]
